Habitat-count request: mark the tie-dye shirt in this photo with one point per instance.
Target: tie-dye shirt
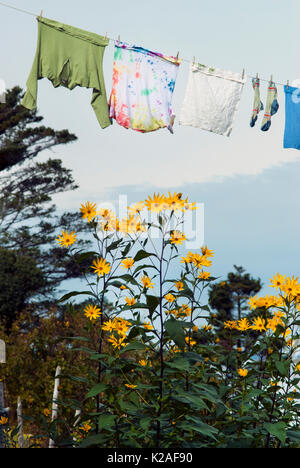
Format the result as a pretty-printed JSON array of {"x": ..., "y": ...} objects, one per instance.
[{"x": 143, "y": 85}]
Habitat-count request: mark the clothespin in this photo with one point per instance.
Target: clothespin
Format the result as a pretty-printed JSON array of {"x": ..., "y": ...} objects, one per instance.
[
  {"x": 243, "y": 74},
  {"x": 118, "y": 42},
  {"x": 257, "y": 76},
  {"x": 41, "y": 15},
  {"x": 105, "y": 37},
  {"x": 194, "y": 58},
  {"x": 177, "y": 56},
  {"x": 271, "y": 79},
  {"x": 288, "y": 83}
]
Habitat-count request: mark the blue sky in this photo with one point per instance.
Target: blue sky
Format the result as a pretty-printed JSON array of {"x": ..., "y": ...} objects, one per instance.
[{"x": 248, "y": 183}]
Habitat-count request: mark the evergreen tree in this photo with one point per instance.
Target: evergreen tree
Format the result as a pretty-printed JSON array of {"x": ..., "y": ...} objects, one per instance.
[{"x": 29, "y": 223}]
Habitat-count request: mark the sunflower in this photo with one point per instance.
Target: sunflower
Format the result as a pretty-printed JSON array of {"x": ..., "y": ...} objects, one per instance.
[
  {"x": 88, "y": 211},
  {"x": 155, "y": 203},
  {"x": 177, "y": 237},
  {"x": 127, "y": 263},
  {"x": 92, "y": 312},
  {"x": 101, "y": 266},
  {"x": 66, "y": 239}
]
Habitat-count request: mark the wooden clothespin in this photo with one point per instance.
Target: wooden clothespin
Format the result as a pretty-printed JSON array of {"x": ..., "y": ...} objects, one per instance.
[
  {"x": 118, "y": 42},
  {"x": 271, "y": 79},
  {"x": 194, "y": 58},
  {"x": 177, "y": 56},
  {"x": 257, "y": 76},
  {"x": 105, "y": 37},
  {"x": 243, "y": 74},
  {"x": 41, "y": 15},
  {"x": 288, "y": 83}
]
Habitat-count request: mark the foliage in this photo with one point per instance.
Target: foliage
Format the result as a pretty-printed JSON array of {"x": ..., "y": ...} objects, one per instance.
[
  {"x": 28, "y": 219},
  {"x": 160, "y": 375}
]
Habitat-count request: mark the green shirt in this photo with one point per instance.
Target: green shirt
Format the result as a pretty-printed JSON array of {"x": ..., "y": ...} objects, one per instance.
[{"x": 69, "y": 57}]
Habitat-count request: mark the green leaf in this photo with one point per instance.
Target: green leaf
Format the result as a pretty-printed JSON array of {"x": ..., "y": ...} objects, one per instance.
[
  {"x": 283, "y": 367},
  {"x": 91, "y": 440},
  {"x": 174, "y": 328},
  {"x": 137, "y": 346},
  {"x": 145, "y": 423},
  {"x": 199, "y": 426},
  {"x": 114, "y": 245},
  {"x": 75, "y": 293},
  {"x": 278, "y": 430},
  {"x": 98, "y": 388},
  {"x": 106, "y": 421},
  {"x": 152, "y": 302},
  {"x": 180, "y": 363},
  {"x": 294, "y": 436},
  {"x": 142, "y": 254}
]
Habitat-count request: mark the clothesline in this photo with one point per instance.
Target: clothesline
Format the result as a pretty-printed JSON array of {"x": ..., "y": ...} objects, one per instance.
[{"x": 117, "y": 40}]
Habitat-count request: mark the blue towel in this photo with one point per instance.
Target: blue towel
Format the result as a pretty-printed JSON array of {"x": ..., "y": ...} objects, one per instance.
[{"x": 292, "y": 118}]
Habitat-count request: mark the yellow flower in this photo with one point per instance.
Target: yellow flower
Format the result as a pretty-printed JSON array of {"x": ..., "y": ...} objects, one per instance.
[
  {"x": 66, "y": 240},
  {"x": 188, "y": 258},
  {"x": 190, "y": 341},
  {"x": 286, "y": 333},
  {"x": 277, "y": 281},
  {"x": 204, "y": 275},
  {"x": 143, "y": 362},
  {"x": 239, "y": 350},
  {"x": 123, "y": 286},
  {"x": 130, "y": 386},
  {"x": 101, "y": 266},
  {"x": 155, "y": 203},
  {"x": 259, "y": 324},
  {"x": 136, "y": 208},
  {"x": 147, "y": 282},
  {"x": 243, "y": 372},
  {"x": 3, "y": 420},
  {"x": 88, "y": 211},
  {"x": 195, "y": 328},
  {"x": 206, "y": 327},
  {"x": 185, "y": 310},
  {"x": 200, "y": 261},
  {"x": 92, "y": 312},
  {"x": 106, "y": 214},
  {"x": 46, "y": 412},
  {"x": 174, "y": 202},
  {"x": 270, "y": 350},
  {"x": 223, "y": 283},
  {"x": 297, "y": 368},
  {"x": 117, "y": 343},
  {"x": 86, "y": 427},
  {"x": 179, "y": 285},
  {"x": 177, "y": 237},
  {"x": 243, "y": 324},
  {"x": 148, "y": 326},
  {"x": 127, "y": 263},
  {"x": 130, "y": 301},
  {"x": 231, "y": 324},
  {"x": 109, "y": 326},
  {"x": 206, "y": 252},
  {"x": 170, "y": 298}
]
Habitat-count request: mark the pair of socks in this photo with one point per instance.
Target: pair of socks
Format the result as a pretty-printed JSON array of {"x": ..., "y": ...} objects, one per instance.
[{"x": 272, "y": 105}]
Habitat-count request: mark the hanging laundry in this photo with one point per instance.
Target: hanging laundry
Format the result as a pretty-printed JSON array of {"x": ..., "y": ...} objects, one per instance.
[
  {"x": 143, "y": 85},
  {"x": 292, "y": 118},
  {"x": 211, "y": 99},
  {"x": 69, "y": 57},
  {"x": 272, "y": 106},
  {"x": 257, "y": 105}
]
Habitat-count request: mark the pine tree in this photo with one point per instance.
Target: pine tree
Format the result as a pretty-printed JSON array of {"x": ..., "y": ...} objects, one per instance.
[{"x": 29, "y": 222}]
